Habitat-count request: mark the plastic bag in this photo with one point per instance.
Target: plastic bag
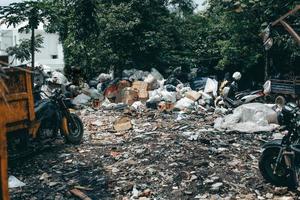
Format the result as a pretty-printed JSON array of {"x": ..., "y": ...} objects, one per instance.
[
  {"x": 156, "y": 74},
  {"x": 58, "y": 78},
  {"x": 267, "y": 87},
  {"x": 104, "y": 77},
  {"x": 168, "y": 96},
  {"x": 13, "y": 182},
  {"x": 211, "y": 86},
  {"x": 81, "y": 99},
  {"x": 250, "y": 118},
  {"x": 184, "y": 103}
]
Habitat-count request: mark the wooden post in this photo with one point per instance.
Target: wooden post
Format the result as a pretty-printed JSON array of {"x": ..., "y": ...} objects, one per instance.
[{"x": 3, "y": 162}]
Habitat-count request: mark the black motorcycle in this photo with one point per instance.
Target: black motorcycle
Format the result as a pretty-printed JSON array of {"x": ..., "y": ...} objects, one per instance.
[
  {"x": 53, "y": 116},
  {"x": 279, "y": 163}
]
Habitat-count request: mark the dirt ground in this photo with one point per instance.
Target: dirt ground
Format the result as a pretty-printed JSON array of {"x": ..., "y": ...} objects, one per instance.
[{"x": 164, "y": 156}]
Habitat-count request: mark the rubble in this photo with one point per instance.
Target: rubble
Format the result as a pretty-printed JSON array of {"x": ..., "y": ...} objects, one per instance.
[
  {"x": 157, "y": 158},
  {"x": 151, "y": 140}
]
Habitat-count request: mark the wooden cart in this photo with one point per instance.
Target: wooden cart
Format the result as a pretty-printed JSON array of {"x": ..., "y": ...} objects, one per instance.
[{"x": 16, "y": 112}]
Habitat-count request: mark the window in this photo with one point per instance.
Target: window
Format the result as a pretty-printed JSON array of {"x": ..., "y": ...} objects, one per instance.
[{"x": 54, "y": 56}]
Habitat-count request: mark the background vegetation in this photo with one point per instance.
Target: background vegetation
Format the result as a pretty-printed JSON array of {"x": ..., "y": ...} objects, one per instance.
[{"x": 98, "y": 35}]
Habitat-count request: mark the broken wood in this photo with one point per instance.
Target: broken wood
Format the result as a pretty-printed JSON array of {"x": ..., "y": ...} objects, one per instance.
[{"x": 80, "y": 194}]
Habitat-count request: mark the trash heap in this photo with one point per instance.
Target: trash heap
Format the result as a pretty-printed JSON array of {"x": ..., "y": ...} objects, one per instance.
[{"x": 142, "y": 89}]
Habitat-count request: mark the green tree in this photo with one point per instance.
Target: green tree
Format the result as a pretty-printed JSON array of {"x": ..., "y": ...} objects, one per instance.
[
  {"x": 32, "y": 13},
  {"x": 22, "y": 51}
]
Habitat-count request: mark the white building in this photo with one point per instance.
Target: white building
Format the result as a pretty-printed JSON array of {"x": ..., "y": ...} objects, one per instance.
[{"x": 50, "y": 54}]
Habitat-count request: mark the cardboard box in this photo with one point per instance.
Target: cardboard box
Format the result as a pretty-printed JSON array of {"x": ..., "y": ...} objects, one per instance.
[
  {"x": 142, "y": 88},
  {"x": 127, "y": 96},
  {"x": 193, "y": 95}
]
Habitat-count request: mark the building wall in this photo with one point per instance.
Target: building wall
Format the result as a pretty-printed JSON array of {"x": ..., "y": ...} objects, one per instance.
[{"x": 51, "y": 53}]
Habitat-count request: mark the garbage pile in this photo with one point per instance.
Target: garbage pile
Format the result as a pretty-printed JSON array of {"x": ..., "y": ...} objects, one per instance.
[
  {"x": 148, "y": 155},
  {"x": 142, "y": 90},
  {"x": 139, "y": 89}
]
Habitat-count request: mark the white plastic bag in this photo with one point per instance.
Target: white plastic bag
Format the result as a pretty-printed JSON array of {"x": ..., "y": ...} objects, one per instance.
[
  {"x": 81, "y": 99},
  {"x": 13, "y": 182},
  {"x": 184, "y": 103},
  {"x": 211, "y": 86},
  {"x": 168, "y": 96},
  {"x": 249, "y": 118}
]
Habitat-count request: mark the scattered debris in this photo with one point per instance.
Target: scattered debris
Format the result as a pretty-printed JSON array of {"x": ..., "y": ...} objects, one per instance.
[
  {"x": 13, "y": 182},
  {"x": 80, "y": 194},
  {"x": 123, "y": 124}
]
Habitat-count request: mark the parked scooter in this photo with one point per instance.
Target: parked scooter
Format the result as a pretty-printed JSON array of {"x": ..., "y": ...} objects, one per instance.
[
  {"x": 52, "y": 117},
  {"x": 231, "y": 98},
  {"x": 280, "y": 160}
]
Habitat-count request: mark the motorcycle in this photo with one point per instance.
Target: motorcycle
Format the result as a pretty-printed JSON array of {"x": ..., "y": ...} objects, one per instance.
[
  {"x": 279, "y": 162},
  {"x": 230, "y": 98},
  {"x": 52, "y": 117}
]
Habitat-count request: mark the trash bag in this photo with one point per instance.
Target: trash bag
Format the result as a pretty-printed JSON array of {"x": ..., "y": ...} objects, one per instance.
[
  {"x": 58, "y": 78},
  {"x": 156, "y": 74},
  {"x": 13, "y": 182},
  {"x": 81, "y": 99},
  {"x": 95, "y": 94},
  {"x": 211, "y": 86},
  {"x": 153, "y": 83},
  {"x": 93, "y": 83},
  {"x": 168, "y": 96},
  {"x": 134, "y": 75},
  {"x": 267, "y": 87},
  {"x": 198, "y": 83},
  {"x": 138, "y": 106},
  {"x": 249, "y": 118},
  {"x": 154, "y": 96},
  {"x": 170, "y": 88},
  {"x": 172, "y": 81},
  {"x": 104, "y": 77},
  {"x": 184, "y": 103},
  {"x": 128, "y": 73}
]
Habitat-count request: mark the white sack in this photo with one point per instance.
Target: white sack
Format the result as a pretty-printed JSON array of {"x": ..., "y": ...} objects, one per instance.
[
  {"x": 211, "y": 86},
  {"x": 250, "y": 118}
]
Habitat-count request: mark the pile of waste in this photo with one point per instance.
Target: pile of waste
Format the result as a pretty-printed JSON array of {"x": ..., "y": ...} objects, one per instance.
[
  {"x": 148, "y": 155},
  {"x": 141, "y": 90}
]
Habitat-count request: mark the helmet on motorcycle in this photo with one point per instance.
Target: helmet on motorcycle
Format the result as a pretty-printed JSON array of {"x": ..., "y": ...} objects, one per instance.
[{"x": 237, "y": 76}]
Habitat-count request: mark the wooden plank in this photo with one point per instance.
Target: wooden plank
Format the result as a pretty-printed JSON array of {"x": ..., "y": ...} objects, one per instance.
[
  {"x": 29, "y": 84},
  {"x": 286, "y": 15},
  {"x": 291, "y": 31},
  {"x": 17, "y": 96},
  {"x": 3, "y": 159}
]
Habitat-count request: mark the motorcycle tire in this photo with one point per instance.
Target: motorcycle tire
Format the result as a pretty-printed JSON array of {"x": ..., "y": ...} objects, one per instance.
[
  {"x": 283, "y": 176},
  {"x": 75, "y": 132}
]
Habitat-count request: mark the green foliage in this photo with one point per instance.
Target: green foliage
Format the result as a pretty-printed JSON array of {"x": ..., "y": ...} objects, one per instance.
[
  {"x": 32, "y": 13},
  {"x": 98, "y": 35},
  {"x": 240, "y": 22},
  {"x": 22, "y": 50}
]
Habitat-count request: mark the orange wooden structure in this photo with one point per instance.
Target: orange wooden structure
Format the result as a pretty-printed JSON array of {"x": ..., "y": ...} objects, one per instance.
[{"x": 16, "y": 112}]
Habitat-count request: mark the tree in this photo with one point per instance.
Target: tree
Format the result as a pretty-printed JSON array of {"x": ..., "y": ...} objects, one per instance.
[
  {"x": 32, "y": 13},
  {"x": 99, "y": 35},
  {"x": 22, "y": 51}
]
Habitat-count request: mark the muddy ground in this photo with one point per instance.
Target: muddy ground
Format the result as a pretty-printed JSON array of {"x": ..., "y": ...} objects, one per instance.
[{"x": 164, "y": 156}]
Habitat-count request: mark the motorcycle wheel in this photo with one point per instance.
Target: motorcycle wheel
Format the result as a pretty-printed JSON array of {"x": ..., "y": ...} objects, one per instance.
[
  {"x": 75, "y": 130},
  {"x": 283, "y": 176}
]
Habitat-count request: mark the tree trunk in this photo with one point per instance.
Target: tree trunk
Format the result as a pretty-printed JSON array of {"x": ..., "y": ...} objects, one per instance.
[{"x": 32, "y": 47}]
